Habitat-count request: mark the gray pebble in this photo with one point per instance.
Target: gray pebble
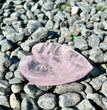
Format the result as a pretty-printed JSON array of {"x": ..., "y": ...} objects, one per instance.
[
  {"x": 15, "y": 81},
  {"x": 65, "y": 32},
  {"x": 71, "y": 20},
  {"x": 96, "y": 55},
  {"x": 17, "y": 25},
  {"x": 17, "y": 88},
  {"x": 5, "y": 45},
  {"x": 47, "y": 101},
  {"x": 2, "y": 75},
  {"x": 15, "y": 37},
  {"x": 85, "y": 105},
  {"x": 50, "y": 15},
  {"x": 71, "y": 87},
  {"x": 104, "y": 100},
  {"x": 30, "y": 15},
  {"x": 41, "y": 34},
  {"x": 44, "y": 88},
  {"x": 17, "y": 74},
  {"x": 105, "y": 57},
  {"x": 88, "y": 88},
  {"x": 4, "y": 101},
  {"x": 61, "y": 40},
  {"x": 69, "y": 99},
  {"x": 29, "y": 104},
  {"x": 85, "y": 32},
  {"x": 97, "y": 82},
  {"x": 14, "y": 16},
  {"x": 93, "y": 40},
  {"x": 13, "y": 67},
  {"x": 75, "y": 29},
  {"x": 1, "y": 37},
  {"x": 7, "y": 21},
  {"x": 80, "y": 43},
  {"x": 96, "y": 98},
  {"x": 4, "y": 84},
  {"x": 4, "y": 91},
  {"x": 48, "y": 6},
  {"x": 32, "y": 91},
  {"x": 21, "y": 54},
  {"x": 9, "y": 75},
  {"x": 49, "y": 24},
  {"x": 5, "y": 62},
  {"x": 59, "y": 16},
  {"x": 103, "y": 46},
  {"x": 104, "y": 88}
]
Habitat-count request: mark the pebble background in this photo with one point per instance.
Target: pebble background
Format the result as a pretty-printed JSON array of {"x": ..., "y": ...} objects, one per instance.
[{"x": 24, "y": 23}]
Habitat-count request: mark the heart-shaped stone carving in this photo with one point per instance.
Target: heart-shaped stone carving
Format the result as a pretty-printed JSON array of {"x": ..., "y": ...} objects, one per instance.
[{"x": 53, "y": 64}]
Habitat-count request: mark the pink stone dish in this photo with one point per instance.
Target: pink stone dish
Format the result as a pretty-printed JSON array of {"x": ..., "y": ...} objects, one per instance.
[{"x": 53, "y": 64}]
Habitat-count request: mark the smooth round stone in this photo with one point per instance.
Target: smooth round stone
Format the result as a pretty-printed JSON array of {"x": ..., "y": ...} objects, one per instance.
[{"x": 53, "y": 64}]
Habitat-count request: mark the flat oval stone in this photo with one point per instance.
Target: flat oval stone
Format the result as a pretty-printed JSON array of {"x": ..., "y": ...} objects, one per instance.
[{"x": 53, "y": 64}]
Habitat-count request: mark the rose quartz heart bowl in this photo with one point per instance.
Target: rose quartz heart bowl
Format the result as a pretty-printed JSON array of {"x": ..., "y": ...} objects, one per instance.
[{"x": 53, "y": 64}]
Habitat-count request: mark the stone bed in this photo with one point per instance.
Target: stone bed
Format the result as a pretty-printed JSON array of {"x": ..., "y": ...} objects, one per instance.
[{"x": 24, "y": 23}]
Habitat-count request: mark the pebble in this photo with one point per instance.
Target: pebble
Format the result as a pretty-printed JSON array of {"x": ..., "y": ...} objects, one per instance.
[
  {"x": 88, "y": 88},
  {"x": 5, "y": 45},
  {"x": 96, "y": 98},
  {"x": 47, "y": 101},
  {"x": 75, "y": 29},
  {"x": 71, "y": 87},
  {"x": 9, "y": 75},
  {"x": 4, "y": 84},
  {"x": 30, "y": 15},
  {"x": 17, "y": 74},
  {"x": 61, "y": 40},
  {"x": 15, "y": 80},
  {"x": 1, "y": 37},
  {"x": 97, "y": 82},
  {"x": 93, "y": 40},
  {"x": 85, "y": 105},
  {"x": 32, "y": 91},
  {"x": 59, "y": 16},
  {"x": 65, "y": 32},
  {"x": 2, "y": 75},
  {"x": 49, "y": 24},
  {"x": 14, "y": 102},
  {"x": 17, "y": 25},
  {"x": 104, "y": 88},
  {"x": 80, "y": 43},
  {"x": 75, "y": 10},
  {"x": 48, "y": 6},
  {"x": 96, "y": 55},
  {"x": 41, "y": 34},
  {"x": 69, "y": 99},
  {"x": 104, "y": 100},
  {"x": 4, "y": 101},
  {"x": 17, "y": 88},
  {"x": 44, "y": 88},
  {"x": 105, "y": 57},
  {"x": 5, "y": 92},
  {"x": 103, "y": 46},
  {"x": 5, "y": 62},
  {"x": 15, "y": 37},
  {"x": 29, "y": 104},
  {"x": 33, "y": 25}
]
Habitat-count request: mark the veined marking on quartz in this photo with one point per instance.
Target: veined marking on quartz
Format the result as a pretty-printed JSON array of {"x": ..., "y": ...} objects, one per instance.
[{"x": 39, "y": 68}]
